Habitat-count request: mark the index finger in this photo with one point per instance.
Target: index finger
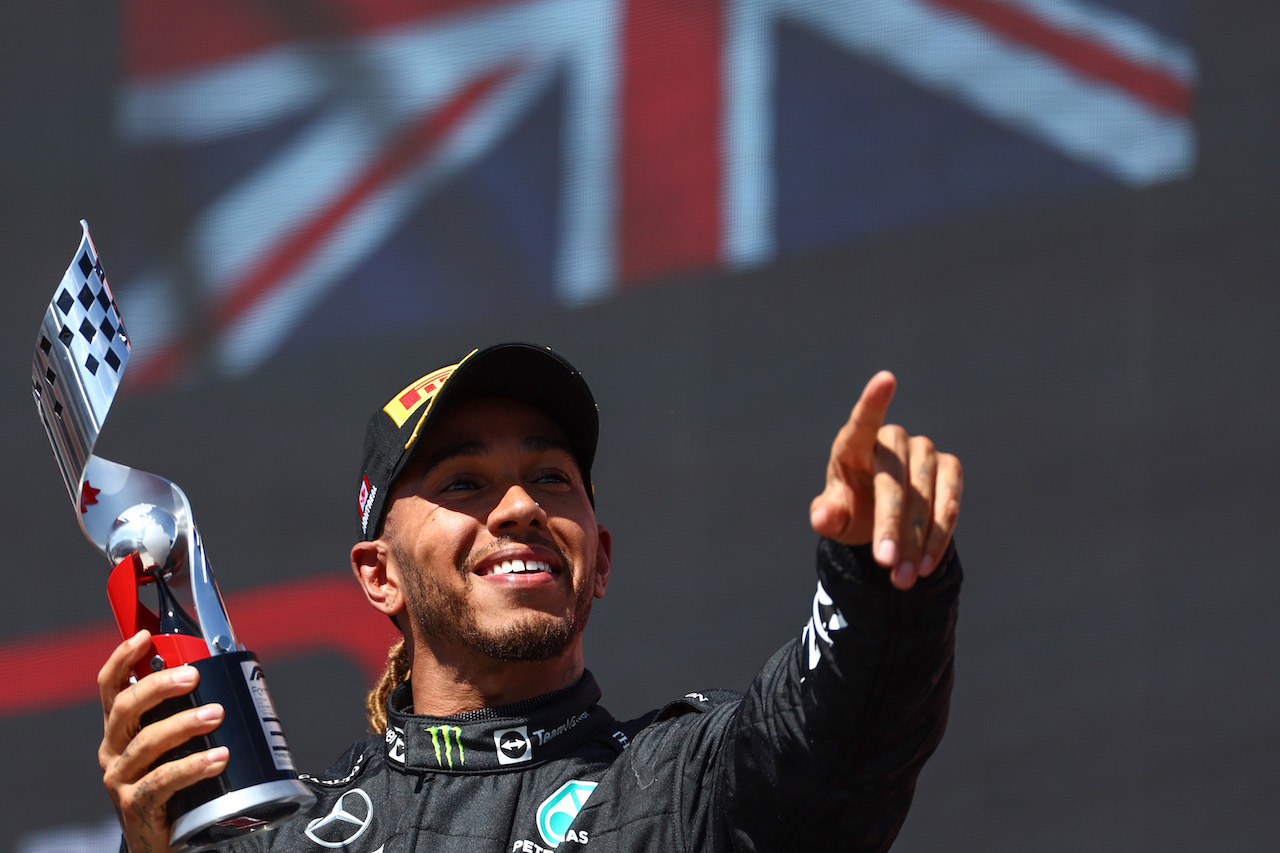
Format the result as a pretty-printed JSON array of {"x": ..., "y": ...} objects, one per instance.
[
  {"x": 859, "y": 435},
  {"x": 114, "y": 675}
]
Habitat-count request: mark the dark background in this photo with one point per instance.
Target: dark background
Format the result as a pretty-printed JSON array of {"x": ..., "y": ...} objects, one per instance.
[{"x": 1105, "y": 366}]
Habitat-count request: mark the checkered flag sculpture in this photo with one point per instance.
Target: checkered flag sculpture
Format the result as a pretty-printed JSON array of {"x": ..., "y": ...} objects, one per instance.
[
  {"x": 142, "y": 523},
  {"x": 80, "y": 357}
]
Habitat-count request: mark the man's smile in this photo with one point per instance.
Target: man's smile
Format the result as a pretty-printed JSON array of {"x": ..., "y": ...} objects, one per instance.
[
  {"x": 520, "y": 562},
  {"x": 515, "y": 567}
]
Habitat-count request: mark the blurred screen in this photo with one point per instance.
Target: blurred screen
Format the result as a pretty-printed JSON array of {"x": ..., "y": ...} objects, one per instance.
[{"x": 1055, "y": 220}]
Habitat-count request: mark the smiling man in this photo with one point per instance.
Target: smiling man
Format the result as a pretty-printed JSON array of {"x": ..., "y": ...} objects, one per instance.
[
  {"x": 478, "y": 538},
  {"x": 490, "y": 550}
]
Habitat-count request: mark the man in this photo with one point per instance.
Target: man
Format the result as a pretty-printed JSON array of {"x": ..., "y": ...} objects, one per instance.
[{"x": 479, "y": 539}]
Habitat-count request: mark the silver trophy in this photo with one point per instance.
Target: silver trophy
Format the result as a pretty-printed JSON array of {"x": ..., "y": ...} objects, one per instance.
[{"x": 160, "y": 578}]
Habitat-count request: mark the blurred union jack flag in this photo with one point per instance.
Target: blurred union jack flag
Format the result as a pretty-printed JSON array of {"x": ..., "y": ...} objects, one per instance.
[{"x": 299, "y": 169}]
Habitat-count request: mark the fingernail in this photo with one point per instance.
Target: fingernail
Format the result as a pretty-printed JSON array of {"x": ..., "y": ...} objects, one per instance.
[
  {"x": 217, "y": 755},
  {"x": 209, "y": 713},
  {"x": 887, "y": 552},
  {"x": 184, "y": 675},
  {"x": 927, "y": 565},
  {"x": 904, "y": 575}
]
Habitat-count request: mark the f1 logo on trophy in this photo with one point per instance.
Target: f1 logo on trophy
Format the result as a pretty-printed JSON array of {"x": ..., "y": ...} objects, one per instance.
[{"x": 143, "y": 524}]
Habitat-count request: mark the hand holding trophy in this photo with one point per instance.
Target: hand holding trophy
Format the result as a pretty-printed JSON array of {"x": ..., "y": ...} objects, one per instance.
[{"x": 143, "y": 524}]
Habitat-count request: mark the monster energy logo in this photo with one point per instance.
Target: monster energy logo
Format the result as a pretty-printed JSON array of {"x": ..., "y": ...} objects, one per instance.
[{"x": 446, "y": 736}]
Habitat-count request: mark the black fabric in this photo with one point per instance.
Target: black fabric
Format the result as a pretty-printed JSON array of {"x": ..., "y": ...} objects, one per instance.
[{"x": 821, "y": 753}]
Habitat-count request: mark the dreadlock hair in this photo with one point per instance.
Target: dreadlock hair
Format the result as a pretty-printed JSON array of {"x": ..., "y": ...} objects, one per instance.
[{"x": 398, "y": 670}]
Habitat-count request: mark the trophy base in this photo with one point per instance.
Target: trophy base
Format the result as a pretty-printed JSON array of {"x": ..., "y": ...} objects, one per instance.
[
  {"x": 258, "y": 789},
  {"x": 239, "y": 813}
]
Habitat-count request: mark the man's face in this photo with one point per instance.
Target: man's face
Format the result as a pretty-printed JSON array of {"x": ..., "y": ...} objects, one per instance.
[{"x": 494, "y": 536}]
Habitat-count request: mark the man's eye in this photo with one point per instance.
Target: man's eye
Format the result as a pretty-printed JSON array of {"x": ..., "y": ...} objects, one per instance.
[
  {"x": 460, "y": 484},
  {"x": 553, "y": 477}
]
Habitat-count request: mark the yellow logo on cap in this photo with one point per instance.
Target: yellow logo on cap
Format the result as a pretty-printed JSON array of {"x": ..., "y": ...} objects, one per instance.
[{"x": 403, "y": 405}]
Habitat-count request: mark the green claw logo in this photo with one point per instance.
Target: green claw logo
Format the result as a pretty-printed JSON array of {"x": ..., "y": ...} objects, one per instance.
[{"x": 449, "y": 735}]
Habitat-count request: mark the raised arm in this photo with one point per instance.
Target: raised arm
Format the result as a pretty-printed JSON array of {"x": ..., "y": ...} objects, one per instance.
[{"x": 831, "y": 736}]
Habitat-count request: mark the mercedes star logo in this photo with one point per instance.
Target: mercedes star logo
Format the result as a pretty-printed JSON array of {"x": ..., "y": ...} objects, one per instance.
[{"x": 347, "y": 821}]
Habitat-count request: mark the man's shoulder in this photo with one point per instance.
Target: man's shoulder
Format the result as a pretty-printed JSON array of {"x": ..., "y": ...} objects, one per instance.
[
  {"x": 666, "y": 754},
  {"x": 352, "y": 764},
  {"x": 698, "y": 702},
  {"x": 686, "y": 718}
]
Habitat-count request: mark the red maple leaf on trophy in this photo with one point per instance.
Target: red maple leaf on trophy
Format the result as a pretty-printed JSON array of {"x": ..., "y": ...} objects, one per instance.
[{"x": 88, "y": 497}]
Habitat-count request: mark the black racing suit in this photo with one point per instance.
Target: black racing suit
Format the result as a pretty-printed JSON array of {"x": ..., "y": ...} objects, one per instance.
[{"x": 820, "y": 754}]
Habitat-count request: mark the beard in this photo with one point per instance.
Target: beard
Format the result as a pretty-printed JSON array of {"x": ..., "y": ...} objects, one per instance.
[{"x": 445, "y": 613}]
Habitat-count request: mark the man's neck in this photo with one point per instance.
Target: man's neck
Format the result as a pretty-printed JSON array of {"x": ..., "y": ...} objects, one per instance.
[{"x": 447, "y": 685}]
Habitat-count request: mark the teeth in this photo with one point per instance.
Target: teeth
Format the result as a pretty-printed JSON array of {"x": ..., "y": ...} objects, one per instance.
[{"x": 520, "y": 567}]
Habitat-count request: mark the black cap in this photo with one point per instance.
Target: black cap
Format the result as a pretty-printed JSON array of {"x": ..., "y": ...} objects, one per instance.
[{"x": 519, "y": 371}]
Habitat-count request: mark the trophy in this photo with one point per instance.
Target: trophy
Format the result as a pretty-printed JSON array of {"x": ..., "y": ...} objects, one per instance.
[{"x": 160, "y": 579}]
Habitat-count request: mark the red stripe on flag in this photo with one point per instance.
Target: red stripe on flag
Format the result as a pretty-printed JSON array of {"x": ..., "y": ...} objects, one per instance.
[
  {"x": 160, "y": 36},
  {"x": 669, "y": 216},
  {"x": 410, "y": 148},
  {"x": 59, "y": 668},
  {"x": 164, "y": 36},
  {"x": 1093, "y": 59}
]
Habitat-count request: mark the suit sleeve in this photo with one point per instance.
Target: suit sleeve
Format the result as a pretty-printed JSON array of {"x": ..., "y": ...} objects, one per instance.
[{"x": 828, "y": 741}]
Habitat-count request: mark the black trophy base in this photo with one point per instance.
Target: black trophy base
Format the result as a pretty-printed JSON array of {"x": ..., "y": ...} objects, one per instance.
[{"x": 259, "y": 789}]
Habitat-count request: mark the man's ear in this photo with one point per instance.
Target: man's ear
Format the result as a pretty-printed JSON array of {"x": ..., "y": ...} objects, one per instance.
[
  {"x": 378, "y": 576},
  {"x": 604, "y": 559}
]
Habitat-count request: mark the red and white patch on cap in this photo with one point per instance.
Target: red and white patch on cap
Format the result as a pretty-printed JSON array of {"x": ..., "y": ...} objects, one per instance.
[{"x": 367, "y": 493}]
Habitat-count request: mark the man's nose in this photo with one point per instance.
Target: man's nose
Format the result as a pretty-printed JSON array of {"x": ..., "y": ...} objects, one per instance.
[{"x": 517, "y": 509}]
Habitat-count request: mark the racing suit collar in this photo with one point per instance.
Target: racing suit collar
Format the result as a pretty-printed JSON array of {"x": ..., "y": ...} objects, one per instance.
[{"x": 505, "y": 738}]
